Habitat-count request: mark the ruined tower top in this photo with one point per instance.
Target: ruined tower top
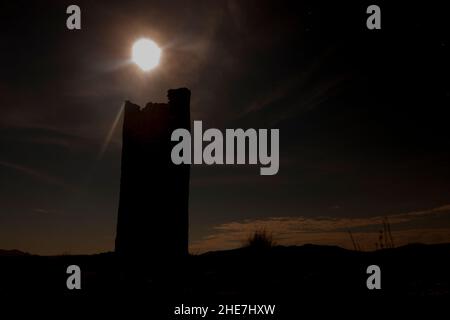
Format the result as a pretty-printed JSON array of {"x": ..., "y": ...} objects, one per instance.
[
  {"x": 154, "y": 193},
  {"x": 177, "y": 98}
]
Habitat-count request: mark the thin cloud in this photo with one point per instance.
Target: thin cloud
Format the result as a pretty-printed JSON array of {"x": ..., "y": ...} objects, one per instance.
[
  {"x": 35, "y": 174},
  {"x": 333, "y": 231}
]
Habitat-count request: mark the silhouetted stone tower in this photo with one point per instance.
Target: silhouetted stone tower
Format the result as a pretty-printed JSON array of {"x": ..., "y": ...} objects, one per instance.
[{"x": 154, "y": 192}]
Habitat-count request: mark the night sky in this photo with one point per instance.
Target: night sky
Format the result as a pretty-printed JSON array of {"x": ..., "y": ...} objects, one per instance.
[{"x": 363, "y": 118}]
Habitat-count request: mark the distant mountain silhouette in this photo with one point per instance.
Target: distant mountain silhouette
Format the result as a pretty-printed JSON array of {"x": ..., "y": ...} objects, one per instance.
[{"x": 12, "y": 253}]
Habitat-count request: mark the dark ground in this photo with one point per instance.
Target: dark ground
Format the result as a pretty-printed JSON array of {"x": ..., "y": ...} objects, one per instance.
[{"x": 290, "y": 277}]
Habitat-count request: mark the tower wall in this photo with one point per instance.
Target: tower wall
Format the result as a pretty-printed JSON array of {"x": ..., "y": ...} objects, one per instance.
[{"x": 154, "y": 193}]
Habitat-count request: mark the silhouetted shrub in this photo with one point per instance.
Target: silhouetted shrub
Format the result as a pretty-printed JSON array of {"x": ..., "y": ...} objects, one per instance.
[
  {"x": 260, "y": 239},
  {"x": 385, "y": 238}
]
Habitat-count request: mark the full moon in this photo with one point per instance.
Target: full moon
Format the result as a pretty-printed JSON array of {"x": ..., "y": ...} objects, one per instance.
[{"x": 146, "y": 54}]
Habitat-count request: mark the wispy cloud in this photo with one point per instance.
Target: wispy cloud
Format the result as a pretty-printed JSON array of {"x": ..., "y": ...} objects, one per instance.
[
  {"x": 42, "y": 176},
  {"x": 426, "y": 226},
  {"x": 307, "y": 91}
]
